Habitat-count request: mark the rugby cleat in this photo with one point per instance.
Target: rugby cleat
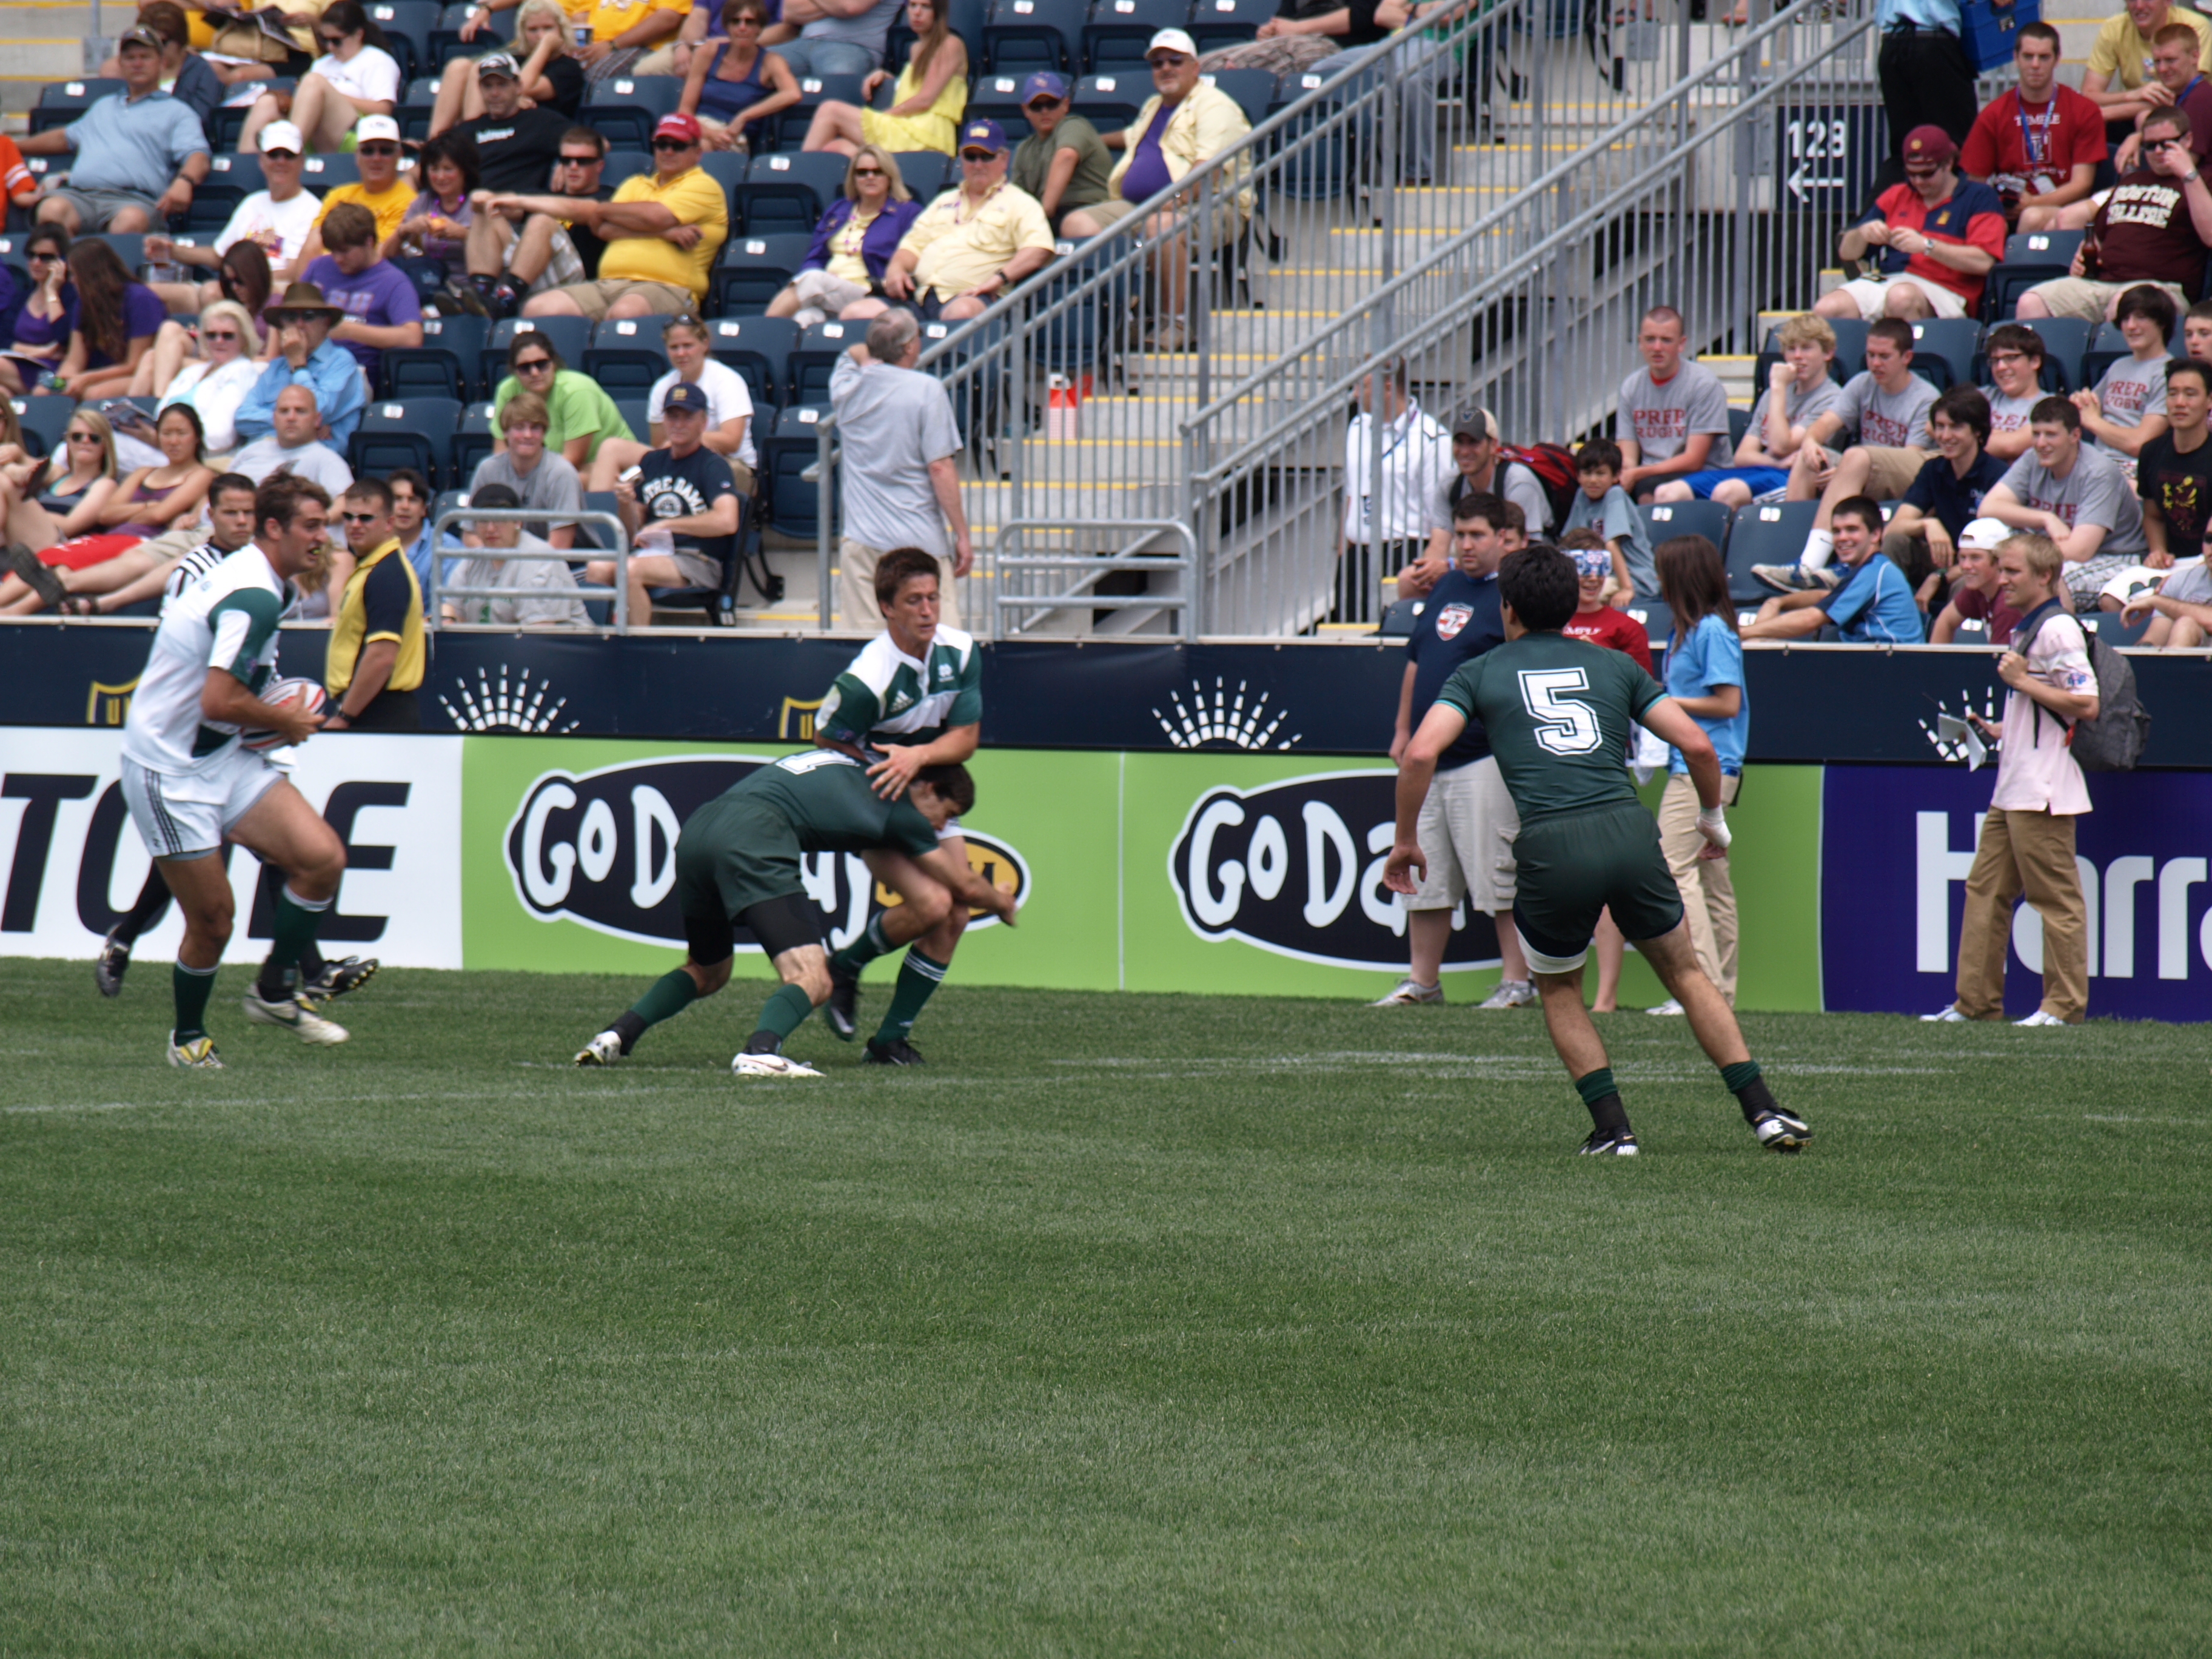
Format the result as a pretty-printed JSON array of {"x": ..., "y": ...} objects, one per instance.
[
  {"x": 604, "y": 1049},
  {"x": 107, "y": 968},
  {"x": 1778, "y": 1131},
  {"x": 1510, "y": 993},
  {"x": 1673, "y": 1005},
  {"x": 2041, "y": 1017},
  {"x": 1610, "y": 1143},
  {"x": 770, "y": 1064},
  {"x": 897, "y": 1051},
  {"x": 294, "y": 1015},
  {"x": 197, "y": 1055},
  {"x": 1795, "y": 578},
  {"x": 842, "y": 1011},
  {"x": 337, "y": 979},
  {"x": 1409, "y": 992},
  {"x": 1950, "y": 1016}
]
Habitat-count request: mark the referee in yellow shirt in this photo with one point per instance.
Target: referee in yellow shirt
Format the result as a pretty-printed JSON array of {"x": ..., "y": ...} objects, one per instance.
[{"x": 375, "y": 662}]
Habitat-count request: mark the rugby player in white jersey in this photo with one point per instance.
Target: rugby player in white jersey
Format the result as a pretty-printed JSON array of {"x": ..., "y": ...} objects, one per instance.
[
  {"x": 192, "y": 784},
  {"x": 913, "y": 698}
]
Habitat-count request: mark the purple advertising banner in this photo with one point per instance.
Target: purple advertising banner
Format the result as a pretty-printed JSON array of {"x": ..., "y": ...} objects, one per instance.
[{"x": 1896, "y": 842}]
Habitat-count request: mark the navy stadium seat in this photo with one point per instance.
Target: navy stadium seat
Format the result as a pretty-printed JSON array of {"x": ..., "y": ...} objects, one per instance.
[
  {"x": 627, "y": 355},
  {"x": 1023, "y": 36},
  {"x": 2065, "y": 342},
  {"x": 632, "y": 410},
  {"x": 1114, "y": 38},
  {"x": 753, "y": 270},
  {"x": 1953, "y": 341},
  {"x": 1772, "y": 534},
  {"x": 997, "y": 98},
  {"x": 418, "y": 433},
  {"x": 2042, "y": 256},
  {"x": 2110, "y": 345},
  {"x": 231, "y": 178},
  {"x": 63, "y": 102},
  {"x": 446, "y": 39},
  {"x": 721, "y": 598},
  {"x": 130, "y": 246},
  {"x": 1656, "y": 619},
  {"x": 471, "y": 444},
  {"x": 625, "y": 108},
  {"x": 815, "y": 357},
  {"x": 625, "y": 164},
  {"x": 759, "y": 349},
  {"x": 230, "y": 118},
  {"x": 322, "y": 172},
  {"x": 1217, "y": 23},
  {"x": 927, "y": 173},
  {"x": 1254, "y": 89},
  {"x": 446, "y": 365},
  {"x": 43, "y": 421},
  {"x": 1707, "y": 519},
  {"x": 789, "y": 125},
  {"x": 789, "y": 192},
  {"x": 726, "y": 167},
  {"x": 417, "y": 104},
  {"x": 794, "y": 503},
  {"x": 1110, "y": 102},
  {"x": 407, "y": 27}
]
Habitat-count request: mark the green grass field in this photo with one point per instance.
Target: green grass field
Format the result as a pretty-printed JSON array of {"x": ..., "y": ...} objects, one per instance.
[{"x": 1131, "y": 1325}]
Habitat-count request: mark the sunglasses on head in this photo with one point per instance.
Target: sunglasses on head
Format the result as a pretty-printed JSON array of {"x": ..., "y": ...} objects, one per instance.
[
  {"x": 379, "y": 148},
  {"x": 671, "y": 143}
]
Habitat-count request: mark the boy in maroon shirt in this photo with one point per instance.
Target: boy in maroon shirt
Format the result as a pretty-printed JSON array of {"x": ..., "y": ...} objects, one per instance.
[{"x": 1593, "y": 619}]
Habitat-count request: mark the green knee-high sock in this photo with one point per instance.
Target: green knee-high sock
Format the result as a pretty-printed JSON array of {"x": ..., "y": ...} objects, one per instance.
[
  {"x": 919, "y": 975},
  {"x": 665, "y": 998},
  {"x": 193, "y": 987},
  {"x": 1752, "y": 1095},
  {"x": 783, "y": 1012},
  {"x": 866, "y": 948},
  {"x": 1603, "y": 1095},
  {"x": 296, "y": 922}
]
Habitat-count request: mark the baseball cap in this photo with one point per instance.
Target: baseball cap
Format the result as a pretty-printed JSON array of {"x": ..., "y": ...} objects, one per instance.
[
  {"x": 139, "y": 37},
  {"x": 984, "y": 134},
  {"x": 498, "y": 63},
  {"x": 684, "y": 395},
  {"x": 281, "y": 135},
  {"x": 1591, "y": 561},
  {"x": 371, "y": 129},
  {"x": 1171, "y": 41},
  {"x": 1987, "y": 534},
  {"x": 1929, "y": 143},
  {"x": 676, "y": 126},
  {"x": 1044, "y": 82},
  {"x": 1473, "y": 426},
  {"x": 495, "y": 495}
]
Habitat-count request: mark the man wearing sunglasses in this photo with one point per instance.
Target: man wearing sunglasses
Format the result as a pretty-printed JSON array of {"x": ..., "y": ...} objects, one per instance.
[
  {"x": 139, "y": 153},
  {"x": 381, "y": 189},
  {"x": 518, "y": 246},
  {"x": 278, "y": 217},
  {"x": 1184, "y": 124},
  {"x": 1064, "y": 163},
  {"x": 972, "y": 244},
  {"x": 375, "y": 660},
  {"x": 662, "y": 233},
  {"x": 308, "y": 358}
]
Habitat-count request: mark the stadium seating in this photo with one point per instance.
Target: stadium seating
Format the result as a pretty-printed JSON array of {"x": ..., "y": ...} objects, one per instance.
[
  {"x": 446, "y": 39},
  {"x": 43, "y": 421},
  {"x": 470, "y": 443},
  {"x": 814, "y": 90},
  {"x": 927, "y": 173},
  {"x": 417, "y": 104},
  {"x": 1739, "y": 426},
  {"x": 1218, "y": 23},
  {"x": 230, "y": 180},
  {"x": 632, "y": 410},
  {"x": 1951, "y": 341},
  {"x": 997, "y": 98},
  {"x": 753, "y": 270},
  {"x": 230, "y": 118},
  {"x": 1023, "y": 36},
  {"x": 417, "y": 433},
  {"x": 1111, "y": 102},
  {"x": 322, "y": 172},
  {"x": 1772, "y": 534},
  {"x": 624, "y": 107},
  {"x": 1710, "y": 520},
  {"x": 1322, "y": 170},
  {"x": 759, "y": 349},
  {"x": 61, "y": 102},
  {"x": 1253, "y": 89},
  {"x": 1657, "y": 621},
  {"x": 816, "y": 355},
  {"x": 1114, "y": 37},
  {"x": 447, "y": 363},
  {"x": 627, "y": 355},
  {"x": 407, "y": 27},
  {"x": 788, "y": 192},
  {"x": 2038, "y": 257},
  {"x": 621, "y": 165},
  {"x": 794, "y": 503},
  {"x": 129, "y": 245},
  {"x": 726, "y": 167},
  {"x": 718, "y": 600}
]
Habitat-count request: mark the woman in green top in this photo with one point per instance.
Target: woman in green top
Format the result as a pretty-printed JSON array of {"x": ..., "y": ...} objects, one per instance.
[
  {"x": 583, "y": 415},
  {"x": 1064, "y": 163}
]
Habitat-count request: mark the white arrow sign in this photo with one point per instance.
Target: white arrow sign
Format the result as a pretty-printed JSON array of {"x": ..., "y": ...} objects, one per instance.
[{"x": 1801, "y": 186}]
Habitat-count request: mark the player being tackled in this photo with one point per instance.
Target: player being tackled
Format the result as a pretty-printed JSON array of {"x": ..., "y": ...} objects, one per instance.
[
  {"x": 737, "y": 862},
  {"x": 1558, "y": 712}
]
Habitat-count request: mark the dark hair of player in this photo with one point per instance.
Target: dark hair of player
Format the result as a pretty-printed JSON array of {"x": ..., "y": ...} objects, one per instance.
[
  {"x": 1598, "y": 452},
  {"x": 1896, "y": 330},
  {"x": 899, "y": 566},
  {"x": 2054, "y": 411},
  {"x": 2189, "y": 365},
  {"x": 1540, "y": 585},
  {"x": 1864, "y": 509},
  {"x": 1478, "y": 504},
  {"x": 952, "y": 784},
  {"x": 1693, "y": 581},
  {"x": 277, "y": 500},
  {"x": 1964, "y": 405},
  {"x": 371, "y": 489},
  {"x": 227, "y": 482}
]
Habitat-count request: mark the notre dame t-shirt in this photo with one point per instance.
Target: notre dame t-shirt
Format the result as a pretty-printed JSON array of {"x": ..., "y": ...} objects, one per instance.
[
  {"x": 2180, "y": 487},
  {"x": 679, "y": 488},
  {"x": 1559, "y": 713}
]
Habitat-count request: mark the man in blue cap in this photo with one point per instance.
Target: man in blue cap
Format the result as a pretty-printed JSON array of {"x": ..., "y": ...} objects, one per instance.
[
  {"x": 681, "y": 510},
  {"x": 971, "y": 244},
  {"x": 1064, "y": 163}
]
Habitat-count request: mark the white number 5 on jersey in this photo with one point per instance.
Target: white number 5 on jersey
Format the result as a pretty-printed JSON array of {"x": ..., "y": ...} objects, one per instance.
[{"x": 1564, "y": 725}]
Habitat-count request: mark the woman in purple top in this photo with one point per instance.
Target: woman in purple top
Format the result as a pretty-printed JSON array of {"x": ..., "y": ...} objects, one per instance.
[
  {"x": 853, "y": 242},
  {"x": 42, "y": 327},
  {"x": 115, "y": 321},
  {"x": 436, "y": 223}
]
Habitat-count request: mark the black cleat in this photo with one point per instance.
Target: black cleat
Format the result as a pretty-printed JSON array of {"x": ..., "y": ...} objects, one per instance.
[
  {"x": 897, "y": 1051},
  {"x": 1778, "y": 1131},
  {"x": 842, "y": 1011},
  {"x": 1610, "y": 1143},
  {"x": 108, "y": 966},
  {"x": 337, "y": 978}
]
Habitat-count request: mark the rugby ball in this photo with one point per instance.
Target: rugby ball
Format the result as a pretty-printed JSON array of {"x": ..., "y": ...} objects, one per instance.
[{"x": 283, "y": 694}]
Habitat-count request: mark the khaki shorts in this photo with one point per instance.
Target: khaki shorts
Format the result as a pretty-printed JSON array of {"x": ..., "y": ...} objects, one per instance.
[
  {"x": 1467, "y": 830},
  {"x": 1871, "y": 295},
  {"x": 593, "y": 299},
  {"x": 1228, "y": 217},
  {"x": 1890, "y": 472},
  {"x": 2078, "y": 297},
  {"x": 856, "y": 587}
]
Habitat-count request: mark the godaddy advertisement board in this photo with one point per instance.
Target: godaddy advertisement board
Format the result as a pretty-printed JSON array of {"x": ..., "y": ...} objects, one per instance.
[{"x": 1208, "y": 871}]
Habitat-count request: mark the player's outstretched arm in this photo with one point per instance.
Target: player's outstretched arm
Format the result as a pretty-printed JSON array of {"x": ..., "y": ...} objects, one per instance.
[
  {"x": 953, "y": 746},
  {"x": 966, "y": 886},
  {"x": 1667, "y": 720},
  {"x": 1439, "y": 729}
]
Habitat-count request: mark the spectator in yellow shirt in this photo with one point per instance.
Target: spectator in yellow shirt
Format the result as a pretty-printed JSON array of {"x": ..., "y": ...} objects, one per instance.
[
  {"x": 971, "y": 243},
  {"x": 2118, "y": 77},
  {"x": 661, "y": 234},
  {"x": 381, "y": 191},
  {"x": 1182, "y": 126},
  {"x": 623, "y": 31}
]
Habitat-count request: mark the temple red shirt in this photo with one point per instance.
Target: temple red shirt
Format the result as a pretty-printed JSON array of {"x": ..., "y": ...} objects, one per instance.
[
  {"x": 1616, "y": 631},
  {"x": 2029, "y": 148}
]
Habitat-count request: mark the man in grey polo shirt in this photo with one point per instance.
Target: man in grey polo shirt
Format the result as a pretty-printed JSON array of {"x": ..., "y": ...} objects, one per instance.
[
  {"x": 139, "y": 152},
  {"x": 902, "y": 475},
  {"x": 2076, "y": 495}
]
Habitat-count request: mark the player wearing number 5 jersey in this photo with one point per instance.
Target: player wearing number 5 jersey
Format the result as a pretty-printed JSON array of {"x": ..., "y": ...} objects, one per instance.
[{"x": 1558, "y": 711}]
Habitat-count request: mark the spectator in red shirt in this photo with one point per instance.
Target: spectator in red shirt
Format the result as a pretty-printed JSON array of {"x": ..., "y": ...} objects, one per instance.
[
  {"x": 1938, "y": 234},
  {"x": 1976, "y": 595},
  {"x": 2038, "y": 146},
  {"x": 2153, "y": 227}
]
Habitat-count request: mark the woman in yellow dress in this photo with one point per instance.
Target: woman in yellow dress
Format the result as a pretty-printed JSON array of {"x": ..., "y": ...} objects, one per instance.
[{"x": 932, "y": 91}]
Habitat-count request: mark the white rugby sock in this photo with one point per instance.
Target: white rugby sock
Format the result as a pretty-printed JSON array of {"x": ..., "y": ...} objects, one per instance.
[{"x": 1819, "y": 548}]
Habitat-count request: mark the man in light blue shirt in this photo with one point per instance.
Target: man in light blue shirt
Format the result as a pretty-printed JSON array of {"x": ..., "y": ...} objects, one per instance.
[
  {"x": 139, "y": 152},
  {"x": 306, "y": 355},
  {"x": 1874, "y": 605},
  {"x": 1924, "y": 73}
]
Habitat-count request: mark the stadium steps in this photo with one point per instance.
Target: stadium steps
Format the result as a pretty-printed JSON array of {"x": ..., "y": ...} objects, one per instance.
[{"x": 42, "y": 42}]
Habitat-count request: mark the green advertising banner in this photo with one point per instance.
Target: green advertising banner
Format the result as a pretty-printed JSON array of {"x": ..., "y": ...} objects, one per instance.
[{"x": 1213, "y": 872}]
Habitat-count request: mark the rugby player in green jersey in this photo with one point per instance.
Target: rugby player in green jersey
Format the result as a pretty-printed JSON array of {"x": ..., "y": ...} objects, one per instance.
[
  {"x": 736, "y": 860},
  {"x": 911, "y": 699},
  {"x": 1558, "y": 712}
]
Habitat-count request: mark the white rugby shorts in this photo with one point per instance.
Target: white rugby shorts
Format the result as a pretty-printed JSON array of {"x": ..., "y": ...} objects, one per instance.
[{"x": 185, "y": 814}]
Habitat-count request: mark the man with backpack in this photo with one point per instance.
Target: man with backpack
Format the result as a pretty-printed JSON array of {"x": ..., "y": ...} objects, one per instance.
[
  {"x": 1537, "y": 480},
  {"x": 2027, "y": 839}
]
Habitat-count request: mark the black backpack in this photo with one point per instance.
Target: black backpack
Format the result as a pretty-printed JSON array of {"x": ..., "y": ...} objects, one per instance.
[{"x": 2114, "y": 741}]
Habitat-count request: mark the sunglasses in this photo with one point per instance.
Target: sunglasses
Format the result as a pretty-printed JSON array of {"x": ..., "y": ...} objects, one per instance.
[
  {"x": 222, "y": 333},
  {"x": 84, "y": 437},
  {"x": 1041, "y": 104},
  {"x": 360, "y": 518},
  {"x": 534, "y": 365},
  {"x": 42, "y": 258},
  {"x": 333, "y": 42},
  {"x": 978, "y": 155},
  {"x": 376, "y": 150},
  {"x": 746, "y": 23},
  {"x": 867, "y": 172},
  {"x": 1168, "y": 60},
  {"x": 673, "y": 144},
  {"x": 581, "y": 160}
]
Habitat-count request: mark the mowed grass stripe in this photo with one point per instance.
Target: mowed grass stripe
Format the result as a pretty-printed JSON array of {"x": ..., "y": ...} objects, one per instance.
[{"x": 427, "y": 1344}]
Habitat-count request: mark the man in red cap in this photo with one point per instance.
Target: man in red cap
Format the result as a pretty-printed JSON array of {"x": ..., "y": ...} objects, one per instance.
[
  {"x": 1939, "y": 234},
  {"x": 662, "y": 233}
]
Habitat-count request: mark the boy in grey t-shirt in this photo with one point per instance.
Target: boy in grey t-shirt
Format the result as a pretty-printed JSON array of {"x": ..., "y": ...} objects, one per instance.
[
  {"x": 1670, "y": 410},
  {"x": 2127, "y": 408},
  {"x": 1603, "y": 505},
  {"x": 2072, "y": 492}
]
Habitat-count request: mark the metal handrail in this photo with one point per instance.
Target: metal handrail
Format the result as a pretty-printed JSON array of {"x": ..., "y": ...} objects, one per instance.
[
  {"x": 1129, "y": 558},
  {"x": 619, "y": 553}
]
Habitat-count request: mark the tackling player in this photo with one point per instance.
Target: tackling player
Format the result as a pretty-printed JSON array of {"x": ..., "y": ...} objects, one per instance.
[
  {"x": 1557, "y": 712},
  {"x": 190, "y": 784},
  {"x": 736, "y": 861},
  {"x": 230, "y": 521},
  {"x": 913, "y": 698}
]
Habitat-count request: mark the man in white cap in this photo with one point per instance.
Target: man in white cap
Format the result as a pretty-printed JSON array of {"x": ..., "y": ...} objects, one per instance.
[
  {"x": 1184, "y": 124},
  {"x": 381, "y": 189},
  {"x": 1976, "y": 595},
  {"x": 279, "y": 217}
]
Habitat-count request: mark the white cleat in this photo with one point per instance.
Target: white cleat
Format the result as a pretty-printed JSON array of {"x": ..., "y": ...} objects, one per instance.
[
  {"x": 1950, "y": 1016},
  {"x": 770, "y": 1066},
  {"x": 1510, "y": 993},
  {"x": 197, "y": 1055},
  {"x": 604, "y": 1049},
  {"x": 1409, "y": 992},
  {"x": 295, "y": 1016},
  {"x": 2040, "y": 1017},
  {"x": 1672, "y": 1006}
]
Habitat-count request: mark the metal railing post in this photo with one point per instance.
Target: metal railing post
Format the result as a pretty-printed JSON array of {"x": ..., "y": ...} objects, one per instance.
[{"x": 439, "y": 591}]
